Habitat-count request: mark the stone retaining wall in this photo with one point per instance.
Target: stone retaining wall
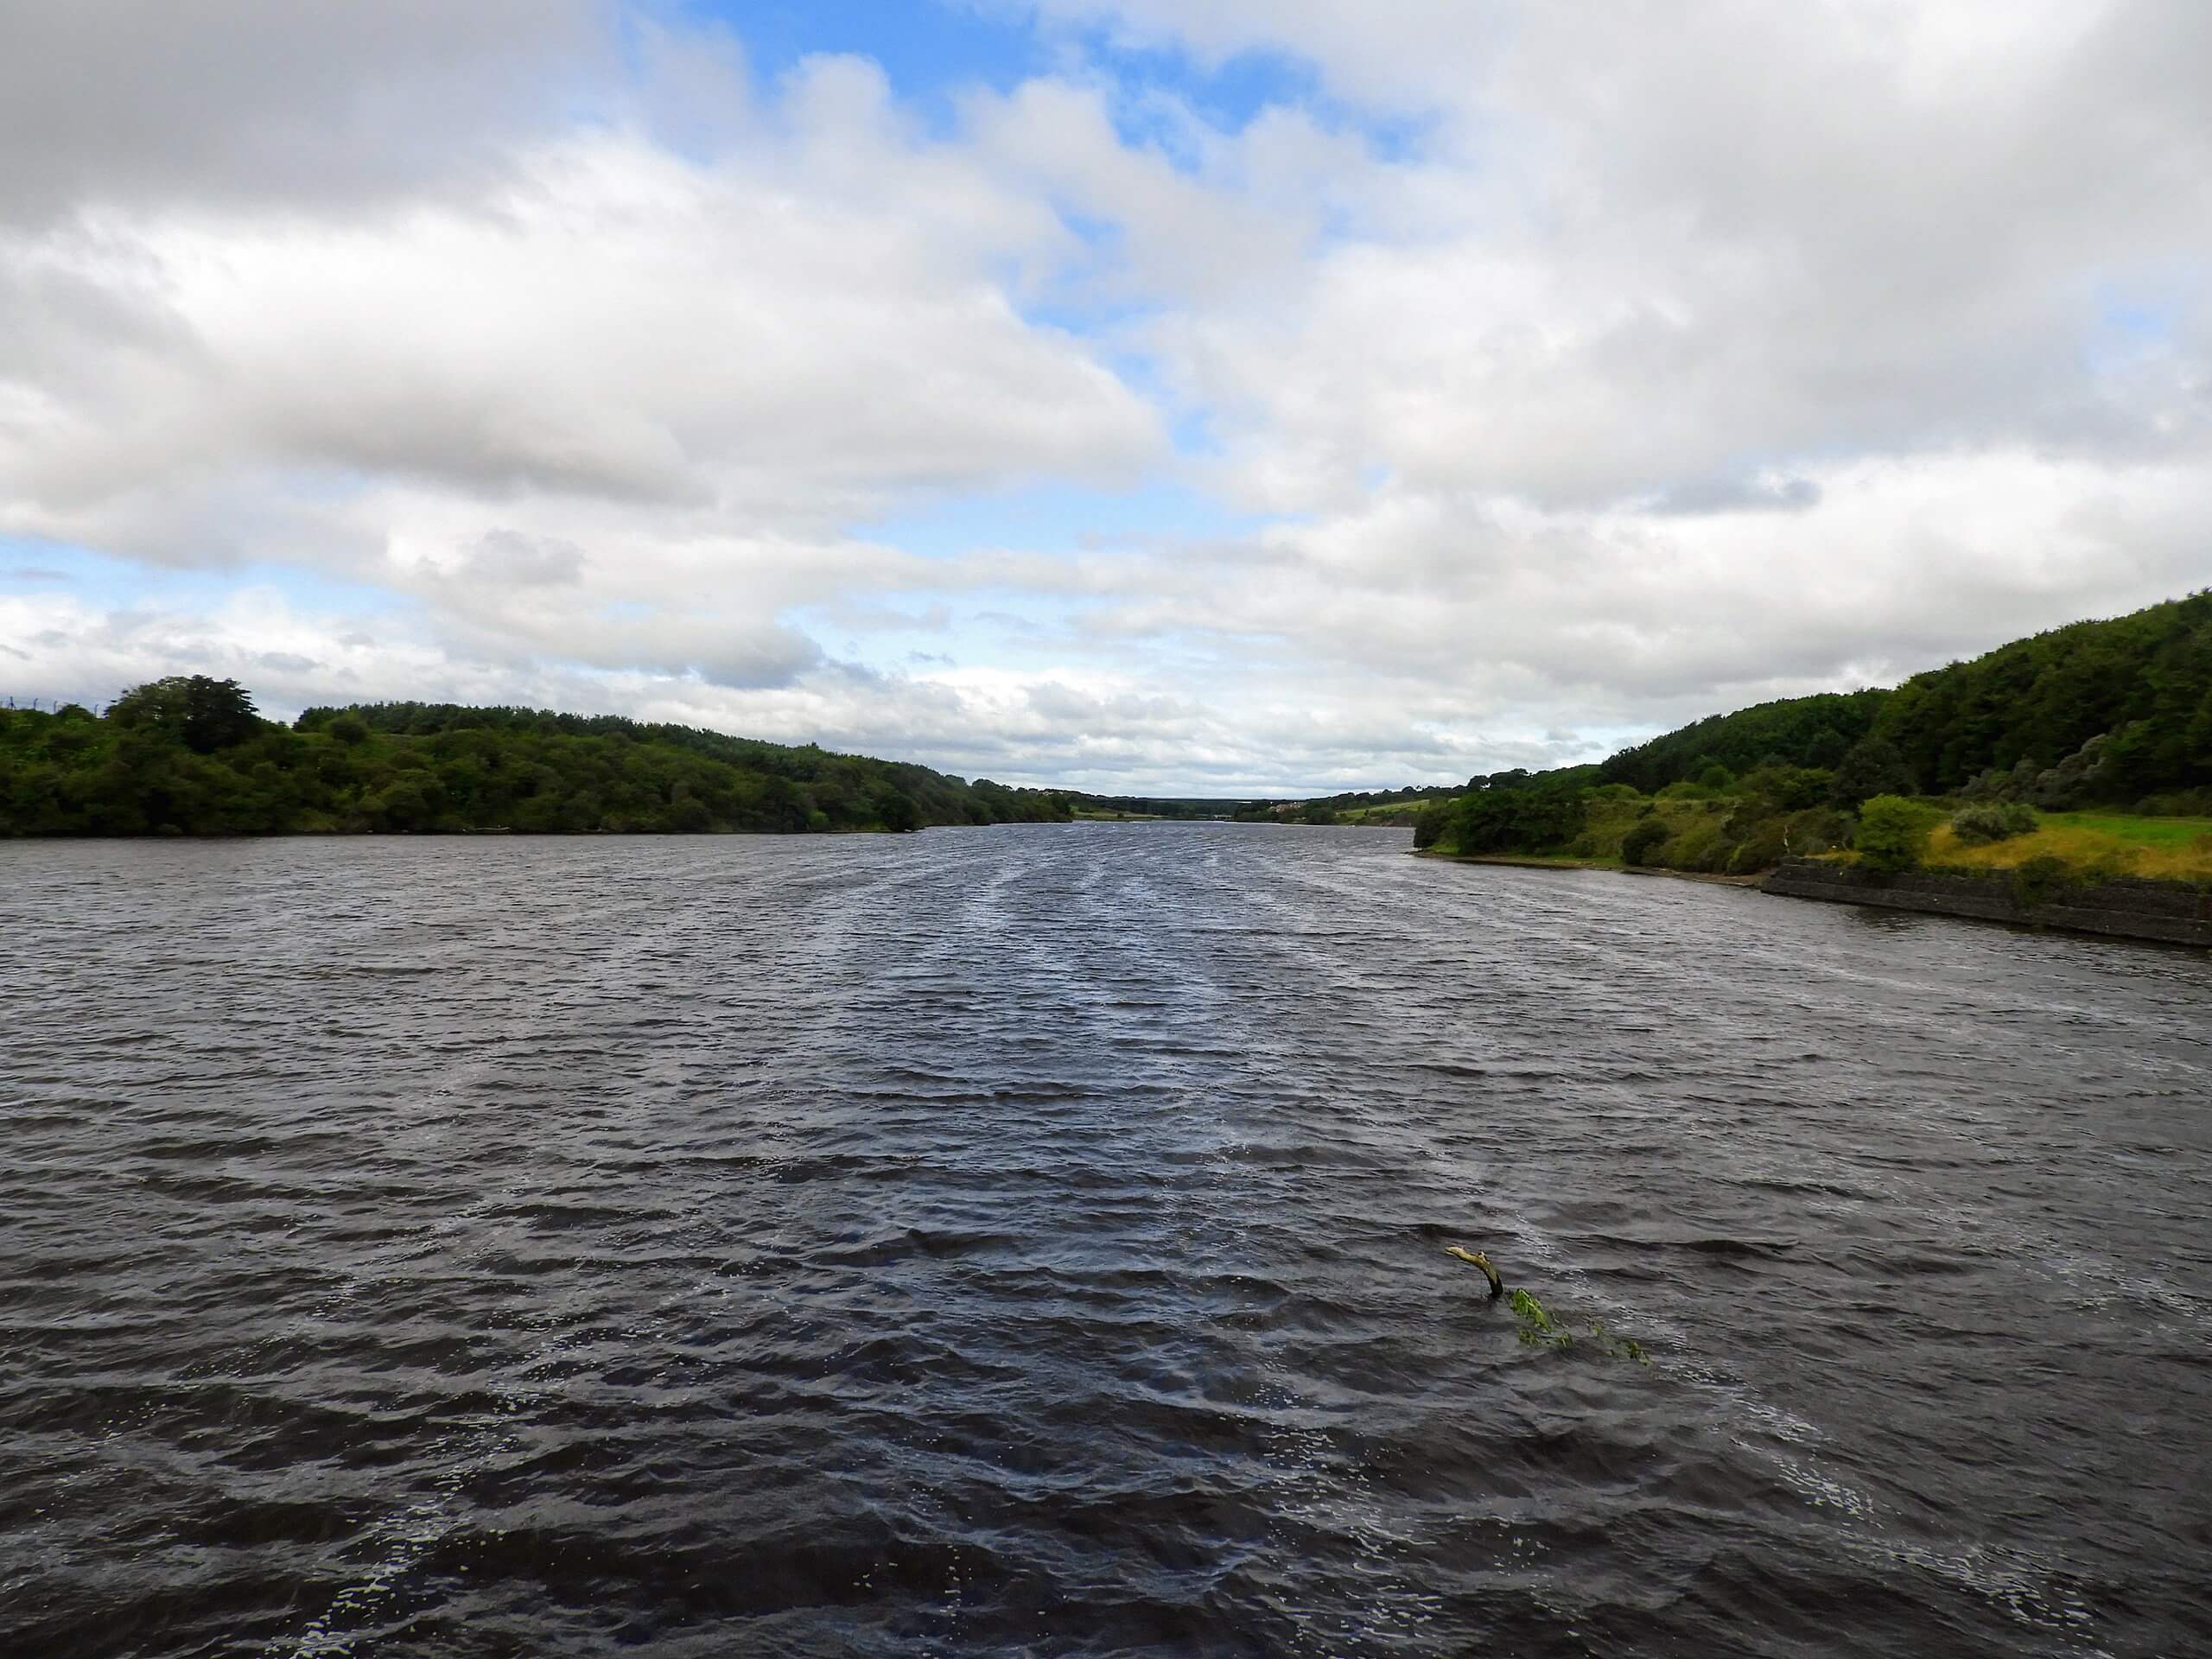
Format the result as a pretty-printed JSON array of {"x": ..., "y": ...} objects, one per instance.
[{"x": 2128, "y": 905}]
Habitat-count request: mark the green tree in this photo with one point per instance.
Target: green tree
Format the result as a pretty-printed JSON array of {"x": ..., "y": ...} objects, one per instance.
[
  {"x": 202, "y": 714},
  {"x": 1891, "y": 832},
  {"x": 897, "y": 813},
  {"x": 1874, "y": 767}
]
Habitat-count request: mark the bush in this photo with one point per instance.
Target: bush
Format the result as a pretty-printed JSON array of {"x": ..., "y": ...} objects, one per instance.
[
  {"x": 1645, "y": 837},
  {"x": 1979, "y": 824},
  {"x": 1891, "y": 832},
  {"x": 1700, "y": 845},
  {"x": 1817, "y": 830},
  {"x": 2037, "y": 880},
  {"x": 2182, "y": 803},
  {"x": 1762, "y": 848}
]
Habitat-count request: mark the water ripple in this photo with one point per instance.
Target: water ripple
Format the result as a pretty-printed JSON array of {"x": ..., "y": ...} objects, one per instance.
[{"x": 1029, "y": 1241}]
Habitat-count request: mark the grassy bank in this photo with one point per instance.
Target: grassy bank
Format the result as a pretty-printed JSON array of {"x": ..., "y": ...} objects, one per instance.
[
  {"x": 1562, "y": 862},
  {"x": 1740, "y": 828},
  {"x": 1396, "y": 815},
  {"x": 2090, "y": 845}
]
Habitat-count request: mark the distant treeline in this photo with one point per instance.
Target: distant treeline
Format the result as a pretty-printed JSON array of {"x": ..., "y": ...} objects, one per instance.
[
  {"x": 2115, "y": 713},
  {"x": 190, "y": 756},
  {"x": 1369, "y": 806},
  {"x": 1156, "y": 806}
]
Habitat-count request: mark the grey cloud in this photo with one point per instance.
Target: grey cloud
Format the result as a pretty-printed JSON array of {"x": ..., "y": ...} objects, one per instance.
[
  {"x": 301, "y": 101},
  {"x": 507, "y": 558},
  {"x": 768, "y": 657},
  {"x": 1739, "y": 495}
]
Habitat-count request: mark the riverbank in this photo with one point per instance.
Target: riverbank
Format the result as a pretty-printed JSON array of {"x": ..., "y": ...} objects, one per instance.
[
  {"x": 2123, "y": 907},
  {"x": 1538, "y": 862},
  {"x": 2134, "y": 907}
]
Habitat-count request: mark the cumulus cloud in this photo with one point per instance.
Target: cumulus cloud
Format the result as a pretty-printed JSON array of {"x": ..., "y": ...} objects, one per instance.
[{"x": 1538, "y": 375}]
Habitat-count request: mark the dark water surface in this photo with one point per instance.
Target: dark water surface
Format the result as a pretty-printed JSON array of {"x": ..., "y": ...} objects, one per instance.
[{"x": 1029, "y": 1241}]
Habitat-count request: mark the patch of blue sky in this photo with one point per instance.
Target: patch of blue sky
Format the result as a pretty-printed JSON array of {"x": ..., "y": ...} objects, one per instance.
[
  {"x": 1059, "y": 518},
  {"x": 1227, "y": 95},
  {"x": 2134, "y": 319},
  {"x": 29, "y": 565},
  {"x": 933, "y": 53},
  {"x": 2124, "y": 333}
]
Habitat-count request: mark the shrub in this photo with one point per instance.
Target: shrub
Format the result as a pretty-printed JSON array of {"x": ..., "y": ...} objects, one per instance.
[
  {"x": 1891, "y": 831},
  {"x": 2182, "y": 803},
  {"x": 2034, "y": 881},
  {"x": 1700, "y": 846},
  {"x": 1816, "y": 830},
  {"x": 1645, "y": 837},
  {"x": 1979, "y": 824},
  {"x": 1762, "y": 848}
]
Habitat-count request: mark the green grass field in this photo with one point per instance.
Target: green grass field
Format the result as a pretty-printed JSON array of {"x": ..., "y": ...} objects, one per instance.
[
  {"x": 1400, "y": 812},
  {"x": 2094, "y": 843}
]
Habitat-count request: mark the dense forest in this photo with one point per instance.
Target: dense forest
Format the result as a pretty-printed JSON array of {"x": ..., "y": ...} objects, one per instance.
[
  {"x": 2111, "y": 714},
  {"x": 190, "y": 756}
]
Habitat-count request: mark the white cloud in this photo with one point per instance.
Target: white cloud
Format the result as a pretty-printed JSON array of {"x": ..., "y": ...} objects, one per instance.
[{"x": 1589, "y": 367}]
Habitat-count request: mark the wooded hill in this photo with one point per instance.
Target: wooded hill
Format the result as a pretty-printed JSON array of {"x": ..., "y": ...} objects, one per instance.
[
  {"x": 190, "y": 756},
  {"x": 2114, "y": 713}
]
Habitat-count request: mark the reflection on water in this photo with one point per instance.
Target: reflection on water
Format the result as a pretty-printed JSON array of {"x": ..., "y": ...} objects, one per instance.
[{"x": 1029, "y": 1241}]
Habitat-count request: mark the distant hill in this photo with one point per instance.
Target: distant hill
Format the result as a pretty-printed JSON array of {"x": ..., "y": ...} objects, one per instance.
[
  {"x": 189, "y": 756},
  {"x": 2114, "y": 713},
  {"x": 2143, "y": 681}
]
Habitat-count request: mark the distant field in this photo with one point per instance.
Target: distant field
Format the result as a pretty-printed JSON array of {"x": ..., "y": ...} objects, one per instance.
[
  {"x": 2106, "y": 843},
  {"x": 1395, "y": 813}
]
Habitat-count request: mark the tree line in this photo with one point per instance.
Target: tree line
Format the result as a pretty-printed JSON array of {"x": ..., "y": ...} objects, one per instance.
[{"x": 191, "y": 755}]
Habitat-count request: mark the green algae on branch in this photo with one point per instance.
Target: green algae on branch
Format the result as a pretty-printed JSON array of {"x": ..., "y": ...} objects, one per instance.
[{"x": 1538, "y": 1328}]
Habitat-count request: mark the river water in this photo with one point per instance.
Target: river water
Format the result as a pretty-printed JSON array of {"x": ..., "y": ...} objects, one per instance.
[{"x": 1031, "y": 1240}]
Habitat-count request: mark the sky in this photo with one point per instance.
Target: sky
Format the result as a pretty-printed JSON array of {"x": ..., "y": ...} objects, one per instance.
[{"x": 1207, "y": 396}]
